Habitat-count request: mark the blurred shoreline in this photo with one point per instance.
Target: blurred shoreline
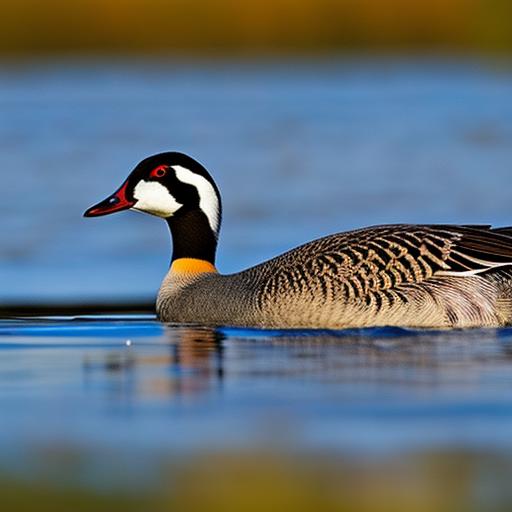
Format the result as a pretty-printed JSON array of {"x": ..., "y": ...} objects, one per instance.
[
  {"x": 210, "y": 27},
  {"x": 75, "y": 308}
]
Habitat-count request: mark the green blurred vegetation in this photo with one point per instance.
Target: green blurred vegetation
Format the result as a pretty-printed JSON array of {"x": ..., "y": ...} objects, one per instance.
[
  {"x": 210, "y": 26},
  {"x": 261, "y": 481}
]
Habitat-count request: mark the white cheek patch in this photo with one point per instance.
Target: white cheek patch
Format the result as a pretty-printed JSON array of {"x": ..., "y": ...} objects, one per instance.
[
  {"x": 208, "y": 199},
  {"x": 154, "y": 198}
]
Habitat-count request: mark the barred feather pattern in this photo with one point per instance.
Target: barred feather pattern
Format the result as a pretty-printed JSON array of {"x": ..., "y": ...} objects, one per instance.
[{"x": 436, "y": 276}]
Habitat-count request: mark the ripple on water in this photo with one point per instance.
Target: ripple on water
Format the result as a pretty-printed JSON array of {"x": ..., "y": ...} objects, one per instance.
[{"x": 190, "y": 389}]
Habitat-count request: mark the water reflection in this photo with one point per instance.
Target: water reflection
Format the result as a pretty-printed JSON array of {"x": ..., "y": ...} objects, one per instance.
[
  {"x": 194, "y": 361},
  {"x": 196, "y": 358},
  {"x": 189, "y": 362},
  {"x": 198, "y": 348},
  {"x": 191, "y": 389}
]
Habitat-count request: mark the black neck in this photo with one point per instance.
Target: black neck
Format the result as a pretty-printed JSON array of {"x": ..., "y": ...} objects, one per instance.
[{"x": 192, "y": 236}]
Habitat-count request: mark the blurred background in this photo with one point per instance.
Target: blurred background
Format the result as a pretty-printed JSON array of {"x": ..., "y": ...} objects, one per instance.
[
  {"x": 367, "y": 111},
  {"x": 314, "y": 116},
  {"x": 206, "y": 27}
]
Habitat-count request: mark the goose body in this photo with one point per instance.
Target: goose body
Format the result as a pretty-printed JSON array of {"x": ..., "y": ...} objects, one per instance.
[{"x": 436, "y": 276}]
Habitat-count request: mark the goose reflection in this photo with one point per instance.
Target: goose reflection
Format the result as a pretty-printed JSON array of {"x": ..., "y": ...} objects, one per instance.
[
  {"x": 197, "y": 358},
  {"x": 188, "y": 363},
  {"x": 192, "y": 364}
]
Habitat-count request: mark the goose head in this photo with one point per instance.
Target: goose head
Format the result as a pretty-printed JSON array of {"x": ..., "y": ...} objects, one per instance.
[
  {"x": 177, "y": 188},
  {"x": 165, "y": 185}
]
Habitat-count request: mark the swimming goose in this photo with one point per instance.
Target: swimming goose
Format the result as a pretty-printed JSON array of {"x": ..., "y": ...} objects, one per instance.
[{"x": 436, "y": 276}]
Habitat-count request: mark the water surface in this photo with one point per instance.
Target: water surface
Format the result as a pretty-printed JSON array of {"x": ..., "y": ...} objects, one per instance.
[
  {"x": 132, "y": 388},
  {"x": 299, "y": 149}
]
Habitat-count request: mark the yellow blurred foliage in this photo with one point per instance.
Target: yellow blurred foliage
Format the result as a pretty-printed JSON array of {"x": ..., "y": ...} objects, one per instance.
[
  {"x": 35, "y": 26},
  {"x": 254, "y": 482}
]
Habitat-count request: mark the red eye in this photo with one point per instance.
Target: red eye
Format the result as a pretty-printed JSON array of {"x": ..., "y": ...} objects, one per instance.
[{"x": 158, "y": 172}]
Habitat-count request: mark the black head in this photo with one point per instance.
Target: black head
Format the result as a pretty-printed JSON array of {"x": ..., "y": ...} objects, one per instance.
[{"x": 166, "y": 185}]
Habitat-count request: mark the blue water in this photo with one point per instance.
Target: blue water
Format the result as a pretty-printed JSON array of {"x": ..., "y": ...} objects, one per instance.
[
  {"x": 299, "y": 149},
  {"x": 127, "y": 388}
]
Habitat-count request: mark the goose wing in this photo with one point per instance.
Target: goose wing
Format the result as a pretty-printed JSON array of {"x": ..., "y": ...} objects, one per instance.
[
  {"x": 476, "y": 250},
  {"x": 387, "y": 257}
]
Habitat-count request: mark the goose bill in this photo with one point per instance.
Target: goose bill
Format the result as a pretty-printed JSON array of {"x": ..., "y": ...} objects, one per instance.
[{"x": 114, "y": 203}]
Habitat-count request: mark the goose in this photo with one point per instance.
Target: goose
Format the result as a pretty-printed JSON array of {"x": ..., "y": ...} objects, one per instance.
[{"x": 405, "y": 275}]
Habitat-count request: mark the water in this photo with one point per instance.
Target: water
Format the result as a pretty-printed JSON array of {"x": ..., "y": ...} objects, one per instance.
[
  {"x": 131, "y": 383},
  {"x": 109, "y": 402},
  {"x": 299, "y": 149}
]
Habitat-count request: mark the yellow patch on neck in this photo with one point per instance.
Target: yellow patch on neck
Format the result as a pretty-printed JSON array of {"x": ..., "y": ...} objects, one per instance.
[{"x": 192, "y": 266}]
